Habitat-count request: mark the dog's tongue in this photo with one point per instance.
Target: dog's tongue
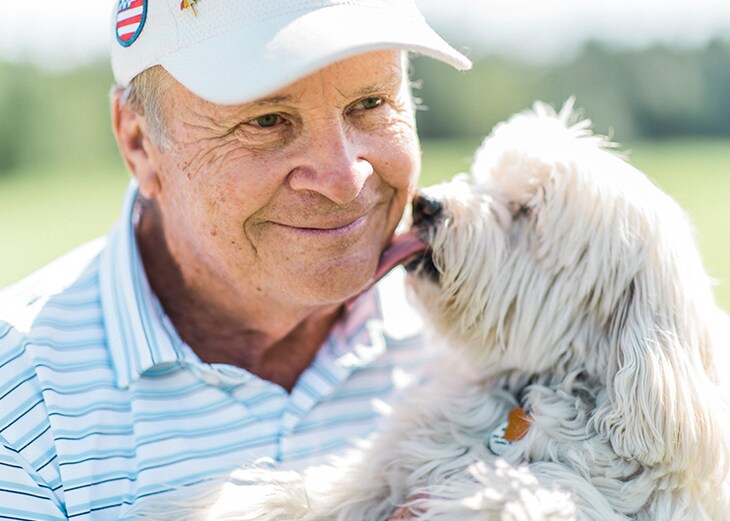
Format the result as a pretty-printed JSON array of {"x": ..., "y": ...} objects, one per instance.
[{"x": 402, "y": 248}]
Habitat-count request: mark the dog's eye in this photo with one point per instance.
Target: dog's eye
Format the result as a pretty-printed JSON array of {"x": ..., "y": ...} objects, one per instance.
[{"x": 524, "y": 210}]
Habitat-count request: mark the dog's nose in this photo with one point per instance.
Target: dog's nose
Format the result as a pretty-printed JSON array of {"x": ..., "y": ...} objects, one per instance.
[{"x": 425, "y": 209}]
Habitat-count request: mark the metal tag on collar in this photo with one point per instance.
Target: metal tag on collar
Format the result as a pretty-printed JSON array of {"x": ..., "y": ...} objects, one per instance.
[{"x": 514, "y": 429}]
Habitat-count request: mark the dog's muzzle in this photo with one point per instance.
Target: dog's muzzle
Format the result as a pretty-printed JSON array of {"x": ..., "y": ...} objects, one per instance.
[{"x": 426, "y": 213}]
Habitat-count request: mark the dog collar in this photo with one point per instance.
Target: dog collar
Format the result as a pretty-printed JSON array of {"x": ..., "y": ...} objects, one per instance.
[{"x": 514, "y": 429}]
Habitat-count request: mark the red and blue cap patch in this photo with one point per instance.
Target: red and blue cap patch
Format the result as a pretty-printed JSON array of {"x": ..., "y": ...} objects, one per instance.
[{"x": 131, "y": 15}]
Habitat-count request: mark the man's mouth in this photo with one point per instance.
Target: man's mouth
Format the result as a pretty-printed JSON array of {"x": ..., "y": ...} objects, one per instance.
[{"x": 328, "y": 228}]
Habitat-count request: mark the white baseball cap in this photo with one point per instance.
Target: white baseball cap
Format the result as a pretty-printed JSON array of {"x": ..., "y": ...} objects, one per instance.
[{"x": 235, "y": 51}]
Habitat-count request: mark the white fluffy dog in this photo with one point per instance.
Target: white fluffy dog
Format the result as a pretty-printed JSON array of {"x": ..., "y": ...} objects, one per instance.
[{"x": 584, "y": 384}]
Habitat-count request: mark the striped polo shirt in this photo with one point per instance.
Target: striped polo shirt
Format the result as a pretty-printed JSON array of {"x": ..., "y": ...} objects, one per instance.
[{"x": 102, "y": 403}]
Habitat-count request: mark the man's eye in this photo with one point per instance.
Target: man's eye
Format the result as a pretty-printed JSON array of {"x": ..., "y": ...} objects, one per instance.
[
  {"x": 268, "y": 120},
  {"x": 369, "y": 103}
]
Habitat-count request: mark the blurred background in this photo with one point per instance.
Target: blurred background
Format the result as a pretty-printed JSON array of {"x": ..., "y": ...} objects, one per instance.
[{"x": 654, "y": 75}]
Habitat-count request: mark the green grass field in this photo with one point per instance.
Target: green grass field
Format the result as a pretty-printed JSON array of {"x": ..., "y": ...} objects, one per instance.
[{"x": 47, "y": 212}]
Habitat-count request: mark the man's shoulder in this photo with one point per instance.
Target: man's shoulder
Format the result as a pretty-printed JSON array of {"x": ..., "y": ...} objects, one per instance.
[
  {"x": 68, "y": 278},
  {"x": 52, "y": 350}
]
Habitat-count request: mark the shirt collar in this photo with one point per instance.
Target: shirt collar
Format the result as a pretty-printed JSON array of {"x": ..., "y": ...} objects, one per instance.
[{"x": 139, "y": 333}]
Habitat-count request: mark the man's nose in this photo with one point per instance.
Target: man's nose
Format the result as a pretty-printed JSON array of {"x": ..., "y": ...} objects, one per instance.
[{"x": 333, "y": 163}]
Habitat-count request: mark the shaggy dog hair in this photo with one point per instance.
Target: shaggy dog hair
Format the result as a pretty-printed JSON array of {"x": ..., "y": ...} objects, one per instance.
[{"x": 560, "y": 280}]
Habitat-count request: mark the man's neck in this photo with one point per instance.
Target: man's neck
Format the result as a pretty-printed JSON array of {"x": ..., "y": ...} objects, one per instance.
[{"x": 277, "y": 346}]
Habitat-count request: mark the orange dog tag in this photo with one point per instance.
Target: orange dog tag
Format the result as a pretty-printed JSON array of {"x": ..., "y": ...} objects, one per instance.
[{"x": 518, "y": 424}]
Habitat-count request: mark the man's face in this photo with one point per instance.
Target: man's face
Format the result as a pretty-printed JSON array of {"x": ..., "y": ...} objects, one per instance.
[{"x": 293, "y": 197}]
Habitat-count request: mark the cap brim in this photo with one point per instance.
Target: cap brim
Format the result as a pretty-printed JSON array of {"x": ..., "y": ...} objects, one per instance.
[{"x": 243, "y": 65}]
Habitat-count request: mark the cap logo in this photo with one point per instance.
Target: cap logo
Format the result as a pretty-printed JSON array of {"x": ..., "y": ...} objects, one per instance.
[
  {"x": 131, "y": 15},
  {"x": 185, "y": 4}
]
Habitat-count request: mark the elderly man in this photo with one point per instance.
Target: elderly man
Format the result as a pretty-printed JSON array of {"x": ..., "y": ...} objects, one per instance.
[{"x": 227, "y": 316}]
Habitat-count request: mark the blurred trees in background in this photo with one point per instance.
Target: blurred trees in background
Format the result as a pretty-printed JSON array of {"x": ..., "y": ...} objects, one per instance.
[
  {"x": 644, "y": 94},
  {"x": 54, "y": 118},
  {"x": 652, "y": 93}
]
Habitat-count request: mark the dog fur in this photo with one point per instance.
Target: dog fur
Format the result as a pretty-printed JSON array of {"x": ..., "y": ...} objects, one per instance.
[{"x": 566, "y": 283}]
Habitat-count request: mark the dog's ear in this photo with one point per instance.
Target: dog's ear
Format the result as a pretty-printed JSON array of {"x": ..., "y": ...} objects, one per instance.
[
  {"x": 518, "y": 178},
  {"x": 663, "y": 407},
  {"x": 524, "y": 157}
]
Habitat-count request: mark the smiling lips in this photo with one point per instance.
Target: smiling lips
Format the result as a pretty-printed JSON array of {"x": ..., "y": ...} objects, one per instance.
[
  {"x": 402, "y": 248},
  {"x": 328, "y": 229}
]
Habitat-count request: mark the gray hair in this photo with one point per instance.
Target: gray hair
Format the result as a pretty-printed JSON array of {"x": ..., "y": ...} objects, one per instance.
[{"x": 144, "y": 95}]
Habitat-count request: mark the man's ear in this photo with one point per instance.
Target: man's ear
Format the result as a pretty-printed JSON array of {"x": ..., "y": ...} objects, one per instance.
[{"x": 135, "y": 146}]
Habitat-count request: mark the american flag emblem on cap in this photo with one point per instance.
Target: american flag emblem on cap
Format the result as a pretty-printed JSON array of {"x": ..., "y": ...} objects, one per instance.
[{"x": 131, "y": 15}]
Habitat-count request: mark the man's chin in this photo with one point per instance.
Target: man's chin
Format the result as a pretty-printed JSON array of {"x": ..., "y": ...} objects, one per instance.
[{"x": 334, "y": 282}]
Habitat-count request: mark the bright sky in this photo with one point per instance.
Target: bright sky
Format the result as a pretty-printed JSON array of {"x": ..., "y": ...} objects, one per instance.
[
  {"x": 60, "y": 34},
  {"x": 540, "y": 29}
]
